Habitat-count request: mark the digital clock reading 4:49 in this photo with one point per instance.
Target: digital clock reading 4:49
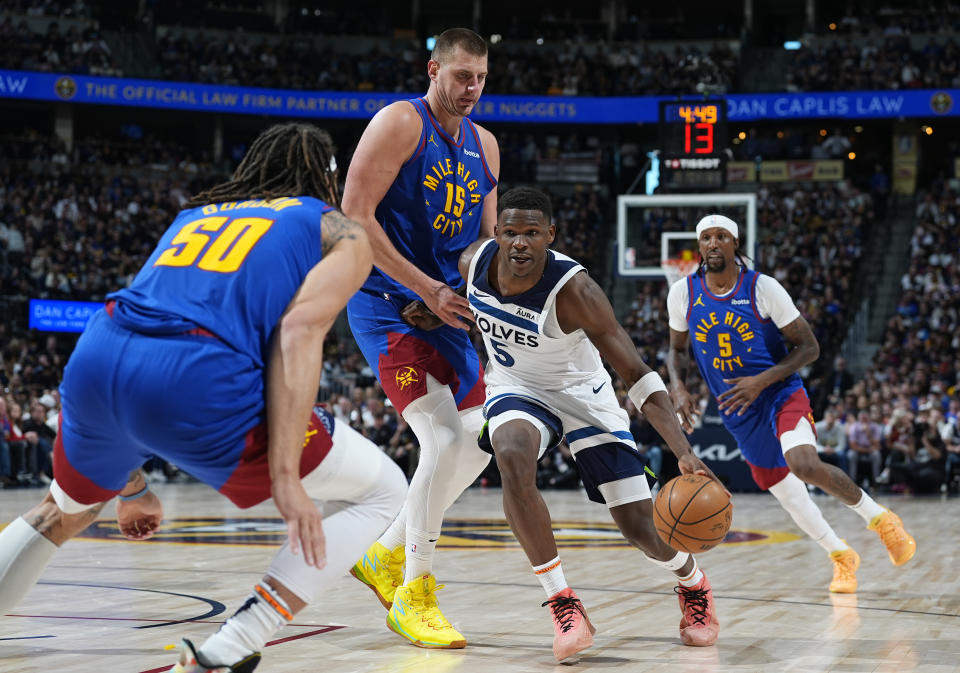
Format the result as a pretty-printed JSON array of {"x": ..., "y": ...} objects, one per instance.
[{"x": 692, "y": 129}]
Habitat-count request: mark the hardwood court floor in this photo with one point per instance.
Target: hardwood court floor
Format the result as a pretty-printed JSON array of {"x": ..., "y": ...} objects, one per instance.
[{"x": 105, "y": 605}]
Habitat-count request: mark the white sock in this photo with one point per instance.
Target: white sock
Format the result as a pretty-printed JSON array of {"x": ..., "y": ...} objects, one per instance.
[
  {"x": 695, "y": 576},
  {"x": 419, "y": 556},
  {"x": 867, "y": 508},
  {"x": 551, "y": 577},
  {"x": 396, "y": 533},
  {"x": 247, "y": 631}
]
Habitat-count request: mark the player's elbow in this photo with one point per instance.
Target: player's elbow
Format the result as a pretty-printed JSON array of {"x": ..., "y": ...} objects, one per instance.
[{"x": 813, "y": 351}]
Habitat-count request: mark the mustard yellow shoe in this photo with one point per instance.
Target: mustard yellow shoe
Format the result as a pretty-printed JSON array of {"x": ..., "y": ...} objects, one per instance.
[
  {"x": 899, "y": 543},
  {"x": 845, "y": 564},
  {"x": 416, "y": 616},
  {"x": 381, "y": 569}
]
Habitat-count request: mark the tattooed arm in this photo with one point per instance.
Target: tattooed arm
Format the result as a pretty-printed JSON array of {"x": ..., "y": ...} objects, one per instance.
[
  {"x": 138, "y": 519},
  {"x": 337, "y": 227}
]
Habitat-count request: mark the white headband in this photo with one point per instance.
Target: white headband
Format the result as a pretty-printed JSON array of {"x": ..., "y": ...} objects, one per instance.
[{"x": 711, "y": 221}]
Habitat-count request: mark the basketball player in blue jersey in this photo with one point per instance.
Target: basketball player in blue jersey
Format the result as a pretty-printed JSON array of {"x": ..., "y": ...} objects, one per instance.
[
  {"x": 740, "y": 320},
  {"x": 422, "y": 183},
  {"x": 546, "y": 324},
  {"x": 211, "y": 359}
]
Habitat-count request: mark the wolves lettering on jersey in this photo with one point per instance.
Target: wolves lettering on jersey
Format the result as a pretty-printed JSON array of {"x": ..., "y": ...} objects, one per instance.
[
  {"x": 523, "y": 339},
  {"x": 729, "y": 338},
  {"x": 432, "y": 210},
  {"x": 230, "y": 268}
]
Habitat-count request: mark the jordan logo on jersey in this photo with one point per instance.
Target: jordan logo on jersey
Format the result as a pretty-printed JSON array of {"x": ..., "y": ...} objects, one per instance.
[
  {"x": 699, "y": 301},
  {"x": 407, "y": 376}
]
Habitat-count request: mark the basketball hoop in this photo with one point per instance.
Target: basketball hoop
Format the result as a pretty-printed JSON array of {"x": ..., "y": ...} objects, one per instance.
[{"x": 676, "y": 268}]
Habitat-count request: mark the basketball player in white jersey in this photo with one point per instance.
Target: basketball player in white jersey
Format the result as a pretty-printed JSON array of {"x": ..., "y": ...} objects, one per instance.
[
  {"x": 545, "y": 324},
  {"x": 740, "y": 320}
]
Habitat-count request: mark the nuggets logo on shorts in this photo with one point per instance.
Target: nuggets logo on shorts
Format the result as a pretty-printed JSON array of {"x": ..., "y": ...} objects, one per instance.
[{"x": 406, "y": 376}]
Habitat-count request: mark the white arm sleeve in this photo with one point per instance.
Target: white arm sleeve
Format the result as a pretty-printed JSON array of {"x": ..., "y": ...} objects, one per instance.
[
  {"x": 773, "y": 302},
  {"x": 677, "y": 300}
]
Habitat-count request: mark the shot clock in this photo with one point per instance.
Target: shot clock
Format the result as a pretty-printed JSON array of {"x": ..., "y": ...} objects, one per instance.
[{"x": 693, "y": 136}]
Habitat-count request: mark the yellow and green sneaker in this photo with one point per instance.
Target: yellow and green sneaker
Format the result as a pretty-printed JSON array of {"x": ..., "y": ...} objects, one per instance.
[
  {"x": 416, "y": 616},
  {"x": 381, "y": 569}
]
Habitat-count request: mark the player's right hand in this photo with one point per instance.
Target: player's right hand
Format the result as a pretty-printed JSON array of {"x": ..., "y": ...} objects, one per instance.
[
  {"x": 303, "y": 519},
  {"x": 449, "y": 306},
  {"x": 687, "y": 411}
]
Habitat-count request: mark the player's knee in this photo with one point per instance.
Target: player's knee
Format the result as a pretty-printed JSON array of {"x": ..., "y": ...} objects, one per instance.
[
  {"x": 516, "y": 446},
  {"x": 804, "y": 467}
]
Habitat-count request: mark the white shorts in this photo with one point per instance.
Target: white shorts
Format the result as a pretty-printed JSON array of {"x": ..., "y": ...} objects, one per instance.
[{"x": 595, "y": 427}]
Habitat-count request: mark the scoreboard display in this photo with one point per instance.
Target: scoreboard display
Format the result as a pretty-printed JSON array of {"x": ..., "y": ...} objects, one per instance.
[{"x": 693, "y": 136}]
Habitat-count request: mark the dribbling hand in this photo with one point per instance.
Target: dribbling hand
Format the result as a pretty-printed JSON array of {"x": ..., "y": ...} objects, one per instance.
[
  {"x": 690, "y": 464},
  {"x": 139, "y": 519},
  {"x": 450, "y": 307},
  {"x": 303, "y": 519}
]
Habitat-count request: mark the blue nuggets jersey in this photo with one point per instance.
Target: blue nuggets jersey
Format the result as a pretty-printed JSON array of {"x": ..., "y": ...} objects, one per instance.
[
  {"x": 230, "y": 268},
  {"x": 432, "y": 210},
  {"x": 729, "y": 339}
]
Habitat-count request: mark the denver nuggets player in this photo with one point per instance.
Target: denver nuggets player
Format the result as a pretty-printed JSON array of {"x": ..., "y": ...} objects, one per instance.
[
  {"x": 545, "y": 324},
  {"x": 423, "y": 184},
  {"x": 737, "y": 317},
  {"x": 219, "y": 336}
]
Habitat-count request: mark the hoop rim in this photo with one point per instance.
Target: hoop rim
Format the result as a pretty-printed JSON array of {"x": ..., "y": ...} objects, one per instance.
[{"x": 675, "y": 268}]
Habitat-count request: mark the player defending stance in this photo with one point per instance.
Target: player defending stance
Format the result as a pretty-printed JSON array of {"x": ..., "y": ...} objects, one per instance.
[
  {"x": 546, "y": 324},
  {"x": 740, "y": 318},
  {"x": 211, "y": 360},
  {"x": 423, "y": 184}
]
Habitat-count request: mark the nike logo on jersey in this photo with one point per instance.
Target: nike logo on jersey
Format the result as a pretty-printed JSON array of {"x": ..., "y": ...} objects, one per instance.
[
  {"x": 699, "y": 301},
  {"x": 597, "y": 389},
  {"x": 480, "y": 295}
]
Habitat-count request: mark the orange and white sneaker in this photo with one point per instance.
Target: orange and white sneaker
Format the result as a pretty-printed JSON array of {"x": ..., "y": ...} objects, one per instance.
[
  {"x": 191, "y": 661},
  {"x": 899, "y": 543},
  {"x": 699, "y": 626},
  {"x": 845, "y": 564},
  {"x": 572, "y": 630}
]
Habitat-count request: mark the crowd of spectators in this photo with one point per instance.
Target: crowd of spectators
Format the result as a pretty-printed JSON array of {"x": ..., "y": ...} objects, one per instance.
[
  {"x": 75, "y": 50},
  {"x": 828, "y": 64},
  {"x": 901, "y": 419}
]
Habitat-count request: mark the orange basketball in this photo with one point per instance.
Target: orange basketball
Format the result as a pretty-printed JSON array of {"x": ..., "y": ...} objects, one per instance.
[{"x": 692, "y": 513}]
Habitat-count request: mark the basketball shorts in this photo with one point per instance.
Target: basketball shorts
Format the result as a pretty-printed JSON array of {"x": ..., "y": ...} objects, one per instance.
[
  {"x": 402, "y": 355},
  {"x": 596, "y": 428},
  {"x": 188, "y": 399},
  {"x": 768, "y": 429}
]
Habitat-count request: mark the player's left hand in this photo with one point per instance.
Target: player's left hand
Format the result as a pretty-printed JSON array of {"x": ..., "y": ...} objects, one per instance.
[
  {"x": 744, "y": 392},
  {"x": 690, "y": 464},
  {"x": 303, "y": 519},
  {"x": 139, "y": 519}
]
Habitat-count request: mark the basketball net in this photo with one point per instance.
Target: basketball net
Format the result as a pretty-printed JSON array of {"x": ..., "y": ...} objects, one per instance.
[{"x": 678, "y": 267}]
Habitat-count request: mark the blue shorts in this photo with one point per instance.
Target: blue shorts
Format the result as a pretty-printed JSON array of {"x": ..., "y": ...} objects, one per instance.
[
  {"x": 758, "y": 432},
  {"x": 402, "y": 355},
  {"x": 188, "y": 398}
]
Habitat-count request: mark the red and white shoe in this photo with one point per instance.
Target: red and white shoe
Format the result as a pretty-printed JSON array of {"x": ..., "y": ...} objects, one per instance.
[
  {"x": 699, "y": 626},
  {"x": 572, "y": 630},
  {"x": 191, "y": 661}
]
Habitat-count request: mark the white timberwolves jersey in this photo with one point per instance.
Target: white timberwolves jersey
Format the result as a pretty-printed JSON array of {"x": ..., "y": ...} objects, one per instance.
[{"x": 523, "y": 338}]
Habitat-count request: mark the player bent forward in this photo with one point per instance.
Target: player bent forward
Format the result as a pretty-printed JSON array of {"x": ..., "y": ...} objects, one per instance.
[
  {"x": 546, "y": 324},
  {"x": 193, "y": 362}
]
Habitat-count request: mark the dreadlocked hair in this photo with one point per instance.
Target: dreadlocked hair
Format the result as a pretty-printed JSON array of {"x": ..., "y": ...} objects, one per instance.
[{"x": 285, "y": 160}]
